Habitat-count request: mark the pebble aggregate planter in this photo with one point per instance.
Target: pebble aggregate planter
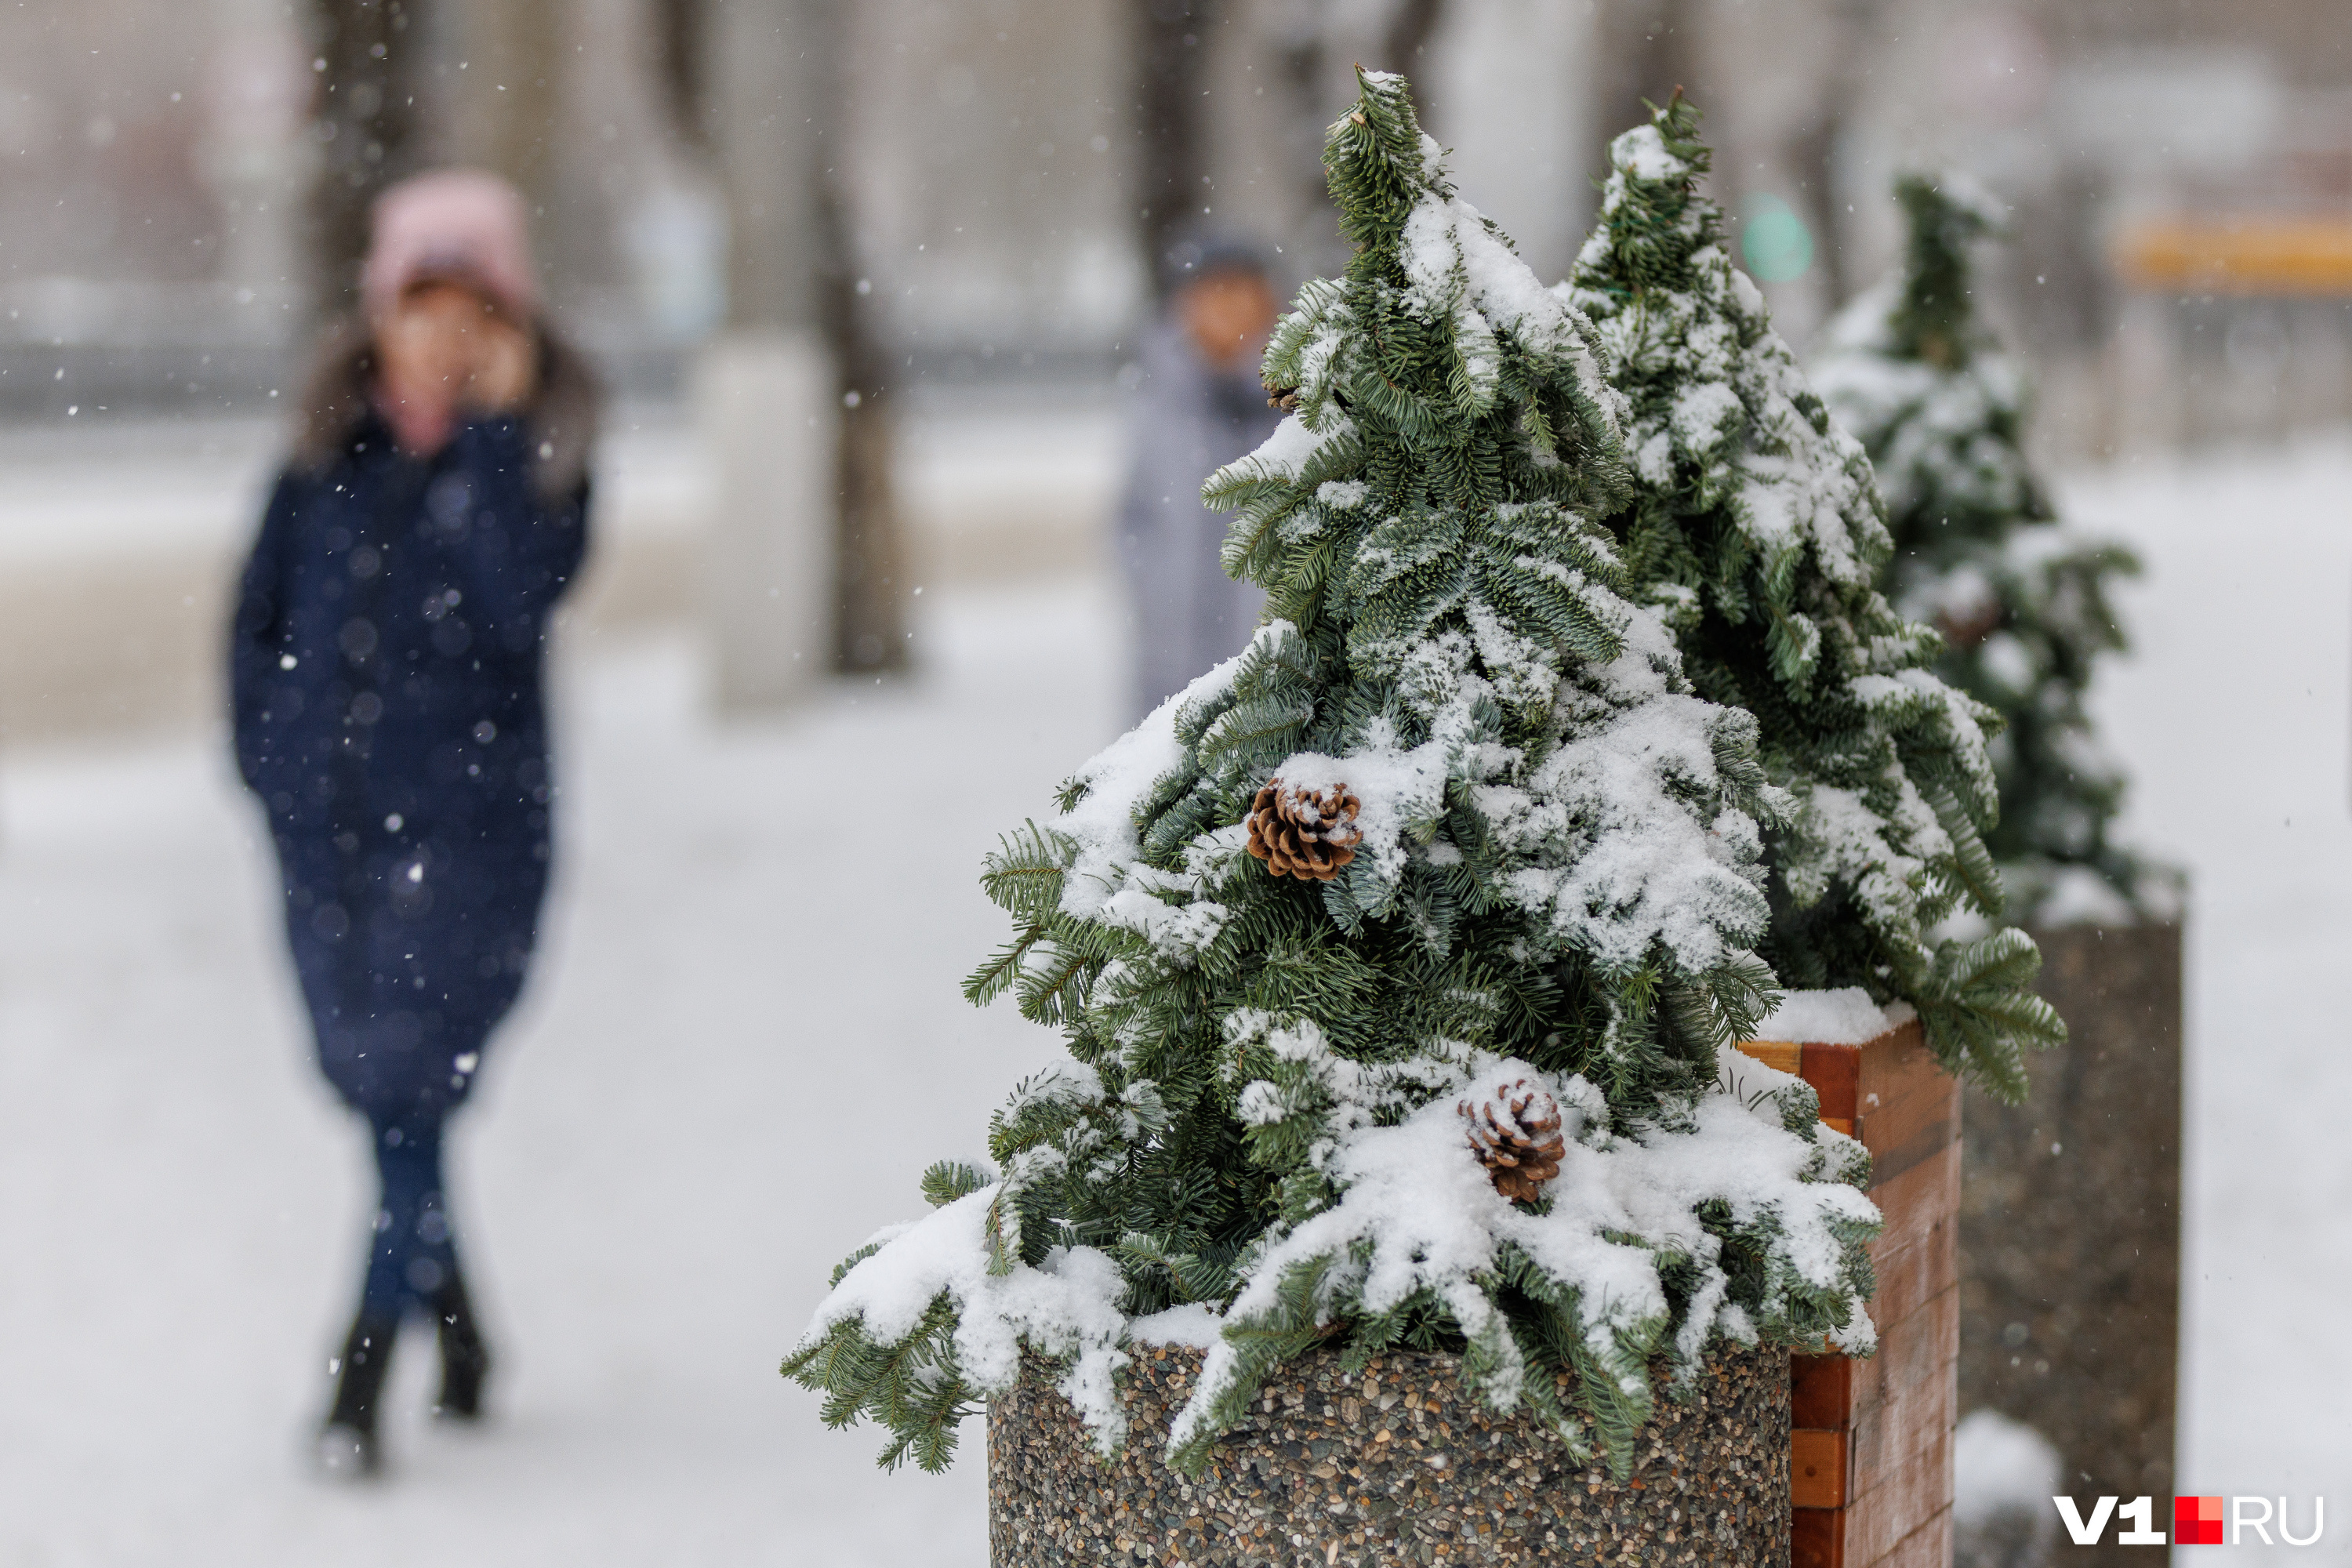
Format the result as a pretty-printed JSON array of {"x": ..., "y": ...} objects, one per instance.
[{"x": 1396, "y": 1465}]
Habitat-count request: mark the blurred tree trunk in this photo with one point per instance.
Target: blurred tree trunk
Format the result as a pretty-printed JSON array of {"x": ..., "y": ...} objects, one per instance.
[
  {"x": 870, "y": 572},
  {"x": 755, "y": 79},
  {"x": 767, "y": 84},
  {"x": 681, "y": 33},
  {"x": 1854, "y": 38},
  {"x": 1648, "y": 48},
  {"x": 1318, "y": 52},
  {"x": 367, "y": 120},
  {"x": 1410, "y": 29},
  {"x": 1814, "y": 153},
  {"x": 1171, "y": 59},
  {"x": 870, "y": 586},
  {"x": 507, "y": 101},
  {"x": 1379, "y": 35}
]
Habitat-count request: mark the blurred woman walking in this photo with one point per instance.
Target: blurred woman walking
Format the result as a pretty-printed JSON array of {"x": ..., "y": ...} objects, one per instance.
[{"x": 386, "y": 658}]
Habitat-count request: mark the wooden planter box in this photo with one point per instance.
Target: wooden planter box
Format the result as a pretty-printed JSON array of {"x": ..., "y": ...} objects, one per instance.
[
  {"x": 1397, "y": 1464},
  {"x": 1871, "y": 1447}
]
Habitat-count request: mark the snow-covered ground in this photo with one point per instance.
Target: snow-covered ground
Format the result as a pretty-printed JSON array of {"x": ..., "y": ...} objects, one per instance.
[
  {"x": 745, "y": 1041},
  {"x": 745, "y": 1046},
  {"x": 2235, "y": 721}
]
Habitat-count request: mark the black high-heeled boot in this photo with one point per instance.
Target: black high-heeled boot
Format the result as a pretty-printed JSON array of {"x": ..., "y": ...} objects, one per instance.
[
  {"x": 347, "y": 1442},
  {"x": 464, "y": 1359}
]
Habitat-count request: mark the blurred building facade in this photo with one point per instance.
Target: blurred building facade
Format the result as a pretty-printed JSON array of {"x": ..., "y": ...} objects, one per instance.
[
  {"x": 162, "y": 164},
  {"x": 974, "y": 182},
  {"x": 2093, "y": 120}
]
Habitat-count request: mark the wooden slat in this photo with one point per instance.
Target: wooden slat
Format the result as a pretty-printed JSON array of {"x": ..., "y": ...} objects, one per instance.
[
  {"x": 1917, "y": 1254},
  {"x": 1929, "y": 1546},
  {"x": 1835, "y": 1073},
  {"x": 1899, "y": 1500},
  {"x": 1906, "y": 1107},
  {"x": 1817, "y": 1538},
  {"x": 1918, "y": 1127},
  {"x": 1817, "y": 1468},
  {"x": 1909, "y": 1392},
  {"x": 1821, "y": 1391},
  {"x": 1783, "y": 1055},
  {"x": 1893, "y": 1065},
  {"x": 1909, "y": 1350}
]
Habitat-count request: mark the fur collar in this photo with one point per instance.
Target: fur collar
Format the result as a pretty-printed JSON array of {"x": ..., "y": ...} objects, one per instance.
[{"x": 561, "y": 412}]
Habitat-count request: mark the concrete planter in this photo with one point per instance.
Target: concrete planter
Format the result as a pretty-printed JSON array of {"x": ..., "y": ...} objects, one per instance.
[
  {"x": 1397, "y": 1464},
  {"x": 2070, "y": 1225}
]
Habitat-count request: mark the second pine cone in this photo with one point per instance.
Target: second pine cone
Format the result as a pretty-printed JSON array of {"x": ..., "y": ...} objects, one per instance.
[
  {"x": 1305, "y": 833},
  {"x": 1514, "y": 1133}
]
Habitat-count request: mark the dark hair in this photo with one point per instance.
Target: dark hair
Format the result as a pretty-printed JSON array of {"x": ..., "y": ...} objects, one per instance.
[
  {"x": 563, "y": 410},
  {"x": 1202, "y": 254}
]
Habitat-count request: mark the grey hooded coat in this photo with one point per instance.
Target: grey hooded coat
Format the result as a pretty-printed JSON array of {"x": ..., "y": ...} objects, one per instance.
[{"x": 1186, "y": 421}]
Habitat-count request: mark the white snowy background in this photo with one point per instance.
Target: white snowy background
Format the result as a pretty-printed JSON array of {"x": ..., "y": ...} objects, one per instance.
[{"x": 744, "y": 1041}]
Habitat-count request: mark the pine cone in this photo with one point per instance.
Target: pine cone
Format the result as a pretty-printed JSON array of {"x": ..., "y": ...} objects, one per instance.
[
  {"x": 1964, "y": 630},
  {"x": 1304, "y": 833},
  {"x": 1514, "y": 1133}
]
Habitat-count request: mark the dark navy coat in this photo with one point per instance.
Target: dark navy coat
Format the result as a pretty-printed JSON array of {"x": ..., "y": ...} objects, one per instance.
[{"x": 387, "y": 657}]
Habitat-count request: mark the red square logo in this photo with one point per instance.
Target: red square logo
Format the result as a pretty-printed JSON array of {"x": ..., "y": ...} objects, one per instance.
[{"x": 2197, "y": 1522}]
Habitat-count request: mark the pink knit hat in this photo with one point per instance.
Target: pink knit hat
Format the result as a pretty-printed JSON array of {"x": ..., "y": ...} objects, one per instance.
[{"x": 461, "y": 224}]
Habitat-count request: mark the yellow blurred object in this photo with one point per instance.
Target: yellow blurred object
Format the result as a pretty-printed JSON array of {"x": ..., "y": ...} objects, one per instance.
[{"x": 2250, "y": 256}]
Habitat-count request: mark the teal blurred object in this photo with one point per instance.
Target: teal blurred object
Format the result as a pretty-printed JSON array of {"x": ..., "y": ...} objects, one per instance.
[{"x": 1774, "y": 242}]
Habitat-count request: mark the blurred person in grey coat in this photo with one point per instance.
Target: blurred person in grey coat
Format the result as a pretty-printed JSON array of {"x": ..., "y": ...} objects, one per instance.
[{"x": 1197, "y": 407}]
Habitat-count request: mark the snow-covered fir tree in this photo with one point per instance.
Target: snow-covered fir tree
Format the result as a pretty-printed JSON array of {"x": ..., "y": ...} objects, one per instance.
[
  {"x": 1756, "y": 530},
  {"x": 1452, "y": 846},
  {"x": 2023, "y": 603}
]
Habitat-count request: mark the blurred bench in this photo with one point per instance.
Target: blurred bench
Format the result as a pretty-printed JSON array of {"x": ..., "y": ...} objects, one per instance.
[{"x": 2244, "y": 256}]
